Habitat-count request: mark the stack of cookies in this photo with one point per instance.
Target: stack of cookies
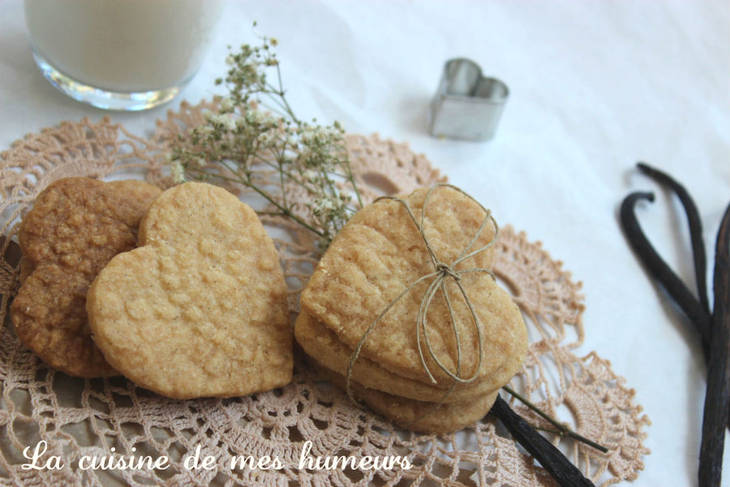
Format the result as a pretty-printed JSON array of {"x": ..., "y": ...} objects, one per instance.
[
  {"x": 403, "y": 372},
  {"x": 198, "y": 308}
]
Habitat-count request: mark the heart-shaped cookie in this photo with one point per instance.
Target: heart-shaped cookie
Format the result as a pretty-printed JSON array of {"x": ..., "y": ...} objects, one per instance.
[
  {"x": 75, "y": 227},
  {"x": 200, "y": 308},
  {"x": 379, "y": 254}
]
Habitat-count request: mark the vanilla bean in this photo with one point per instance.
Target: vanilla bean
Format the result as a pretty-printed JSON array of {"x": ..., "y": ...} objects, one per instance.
[
  {"x": 717, "y": 399},
  {"x": 659, "y": 269},
  {"x": 550, "y": 457},
  {"x": 695, "y": 227}
]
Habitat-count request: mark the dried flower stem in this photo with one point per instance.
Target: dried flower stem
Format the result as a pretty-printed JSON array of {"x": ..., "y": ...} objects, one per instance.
[
  {"x": 245, "y": 142},
  {"x": 561, "y": 429}
]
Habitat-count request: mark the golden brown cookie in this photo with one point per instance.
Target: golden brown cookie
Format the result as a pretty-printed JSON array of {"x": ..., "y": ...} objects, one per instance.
[
  {"x": 379, "y": 253},
  {"x": 75, "y": 227},
  {"x": 418, "y": 416},
  {"x": 318, "y": 341},
  {"x": 200, "y": 308},
  {"x": 26, "y": 268}
]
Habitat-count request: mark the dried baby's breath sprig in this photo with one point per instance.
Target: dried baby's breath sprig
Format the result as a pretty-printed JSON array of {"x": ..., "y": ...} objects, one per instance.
[{"x": 255, "y": 139}]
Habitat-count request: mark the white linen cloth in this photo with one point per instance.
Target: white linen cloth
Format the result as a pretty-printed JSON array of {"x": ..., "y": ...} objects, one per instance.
[{"x": 595, "y": 86}]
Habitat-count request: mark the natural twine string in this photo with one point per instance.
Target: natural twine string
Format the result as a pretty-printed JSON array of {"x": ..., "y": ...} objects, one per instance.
[{"x": 442, "y": 272}]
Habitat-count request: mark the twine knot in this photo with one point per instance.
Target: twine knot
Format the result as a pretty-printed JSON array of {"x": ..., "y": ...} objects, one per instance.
[{"x": 445, "y": 270}]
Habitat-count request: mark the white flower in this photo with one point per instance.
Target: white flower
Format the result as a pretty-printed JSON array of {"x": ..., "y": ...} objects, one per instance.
[
  {"x": 323, "y": 205},
  {"x": 204, "y": 130},
  {"x": 230, "y": 121},
  {"x": 265, "y": 138},
  {"x": 310, "y": 176},
  {"x": 227, "y": 120},
  {"x": 177, "y": 172},
  {"x": 259, "y": 117},
  {"x": 226, "y": 104}
]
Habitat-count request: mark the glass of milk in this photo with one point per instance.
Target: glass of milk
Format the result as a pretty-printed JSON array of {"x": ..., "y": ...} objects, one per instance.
[{"x": 120, "y": 54}]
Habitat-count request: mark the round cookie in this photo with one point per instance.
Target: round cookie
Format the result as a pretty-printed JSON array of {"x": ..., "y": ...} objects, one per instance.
[
  {"x": 317, "y": 341},
  {"x": 74, "y": 228},
  {"x": 200, "y": 308},
  {"x": 380, "y": 253}
]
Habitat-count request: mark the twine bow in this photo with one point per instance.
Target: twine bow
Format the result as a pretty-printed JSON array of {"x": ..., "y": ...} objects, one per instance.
[{"x": 442, "y": 272}]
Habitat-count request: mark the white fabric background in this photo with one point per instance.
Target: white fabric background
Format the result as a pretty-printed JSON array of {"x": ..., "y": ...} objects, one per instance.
[{"x": 595, "y": 86}]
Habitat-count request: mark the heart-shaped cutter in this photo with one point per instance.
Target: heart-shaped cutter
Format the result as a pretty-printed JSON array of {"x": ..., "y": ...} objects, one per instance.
[{"x": 467, "y": 105}]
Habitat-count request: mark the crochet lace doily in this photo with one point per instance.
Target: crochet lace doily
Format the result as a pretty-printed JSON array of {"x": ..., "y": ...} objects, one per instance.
[{"x": 77, "y": 417}]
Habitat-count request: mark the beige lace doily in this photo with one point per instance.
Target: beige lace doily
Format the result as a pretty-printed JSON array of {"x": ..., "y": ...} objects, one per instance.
[{"x": 78, "y": 417}]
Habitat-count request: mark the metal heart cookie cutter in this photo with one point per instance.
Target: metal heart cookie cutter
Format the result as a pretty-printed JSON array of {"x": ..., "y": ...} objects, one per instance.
[{"x": 467, "y": 105}]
